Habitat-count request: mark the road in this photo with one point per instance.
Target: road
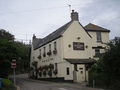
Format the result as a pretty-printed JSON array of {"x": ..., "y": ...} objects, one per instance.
[{"x": 28, "y": 84}]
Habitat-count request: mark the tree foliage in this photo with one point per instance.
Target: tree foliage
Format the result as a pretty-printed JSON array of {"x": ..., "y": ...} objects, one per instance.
[
  {"x": 111, "y": 64},
  {"x": 108, "y": 67},
  {"x": 10, "y": 49}
]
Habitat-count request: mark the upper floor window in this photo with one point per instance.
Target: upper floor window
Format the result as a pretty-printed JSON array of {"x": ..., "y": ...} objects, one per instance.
[
  {"x": 44, "y": 49},
  {"x": 40, "y": 51},
  {"x": 49, "y": 47},
  {"x": 55, "y": 45},
  {"x": 98, "y": 34},
  {"x": 97, "y": 52}
]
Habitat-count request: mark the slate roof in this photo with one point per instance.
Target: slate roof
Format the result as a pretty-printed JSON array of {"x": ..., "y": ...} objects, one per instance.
[
  {"x": 56, "y": 34},
  {"x": 81, "y": 61},
  {"x": 92, "y": 27}
]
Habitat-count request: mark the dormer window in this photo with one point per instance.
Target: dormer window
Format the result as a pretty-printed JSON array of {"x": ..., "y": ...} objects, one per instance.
[{"x": 98, "y": 34}]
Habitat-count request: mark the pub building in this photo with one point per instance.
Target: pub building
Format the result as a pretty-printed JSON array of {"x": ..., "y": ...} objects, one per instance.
[{"x": 67, "y": 53}]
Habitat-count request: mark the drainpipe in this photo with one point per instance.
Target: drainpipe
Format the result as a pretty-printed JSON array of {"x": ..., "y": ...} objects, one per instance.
[{"x": 85, "y": 73}]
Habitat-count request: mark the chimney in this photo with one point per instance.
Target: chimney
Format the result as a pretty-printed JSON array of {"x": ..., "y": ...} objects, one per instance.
[
  {"x": 34, "y": 37},
  {"x": 74, "y": 16}
]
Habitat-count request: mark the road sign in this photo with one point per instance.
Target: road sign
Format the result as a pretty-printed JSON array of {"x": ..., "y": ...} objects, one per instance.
[{"x": 13, "y": 63}]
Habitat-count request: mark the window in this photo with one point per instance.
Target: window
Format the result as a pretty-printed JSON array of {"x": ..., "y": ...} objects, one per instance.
[
  {"x": 44, "y": 49},
  {"x": 40, "y": 51},
  {"x": 56, "y": 66},
  {"x": 68, "y": 71},
  {"x": 49, "y": 47},
  {"x": 97, "y": 52},
  {"x": 55, "y": 45},
  {"x": 98, "y": 36}
]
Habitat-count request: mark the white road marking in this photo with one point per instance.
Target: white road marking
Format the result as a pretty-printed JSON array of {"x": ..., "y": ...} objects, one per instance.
[{"x": 62, "y": 88}]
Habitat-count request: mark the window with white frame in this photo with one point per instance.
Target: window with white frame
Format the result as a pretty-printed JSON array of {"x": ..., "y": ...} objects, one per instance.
[
  {"x": 98, "y": 34},
  {"x": 44, "y": 49},
  {"x": 49, "y": 47},
  {"x": 55, "y": 45},
  {"x": 97, "y": 52}
]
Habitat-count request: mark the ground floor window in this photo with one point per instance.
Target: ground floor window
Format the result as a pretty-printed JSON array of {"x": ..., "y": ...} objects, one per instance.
[{"x": 68, "y": 71}]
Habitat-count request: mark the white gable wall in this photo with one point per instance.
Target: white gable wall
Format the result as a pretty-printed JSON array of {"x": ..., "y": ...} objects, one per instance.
[{"x": 74, "y": 31}]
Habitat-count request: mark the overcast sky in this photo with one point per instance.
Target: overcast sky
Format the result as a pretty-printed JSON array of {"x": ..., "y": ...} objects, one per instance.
[{"x": 23, "y": 18}]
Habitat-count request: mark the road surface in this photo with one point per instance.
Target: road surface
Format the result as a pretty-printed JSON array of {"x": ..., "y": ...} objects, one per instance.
[{"x": 28, "y": 84}]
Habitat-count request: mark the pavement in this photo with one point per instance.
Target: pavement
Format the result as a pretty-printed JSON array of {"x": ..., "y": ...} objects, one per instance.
[{"x": 24, "y": 83}]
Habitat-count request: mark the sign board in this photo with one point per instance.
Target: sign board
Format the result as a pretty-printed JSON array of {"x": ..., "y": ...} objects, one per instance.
[
  {"x": 13, "y": 63},
  {"x": 78, "y": 46}
]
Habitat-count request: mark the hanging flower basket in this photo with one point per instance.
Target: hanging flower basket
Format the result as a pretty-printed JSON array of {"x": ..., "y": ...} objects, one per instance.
[
  {"x": 55, "y": 72},
  {"x": 51, "y": 66},
  {"x": 39, "y": 57},
  {"x": 46, "y": 67},
  {"x": 55, "y": 51},
  {"x": 49, "y": 53},
  {"x": 50, "y": 73},
  {"x": 41, "y": 68}
]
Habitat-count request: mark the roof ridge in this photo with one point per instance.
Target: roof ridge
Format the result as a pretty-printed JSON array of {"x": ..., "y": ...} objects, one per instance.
[
  {"x": 94, "y": 27},
  {"x": 54, "y": 35}
]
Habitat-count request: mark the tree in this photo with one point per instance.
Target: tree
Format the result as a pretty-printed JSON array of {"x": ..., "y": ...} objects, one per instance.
[
  {"x": 107, "y": 69},
  {"x": 111, "y": 64},
  {"x": 7, "y": 50},
  {"x": 10, "y": 49}
]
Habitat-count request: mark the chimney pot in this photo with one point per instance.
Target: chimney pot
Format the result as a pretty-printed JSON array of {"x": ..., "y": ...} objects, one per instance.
[
  {"x": 72, "y": 11},
  {"x": 74, "y": 16},
  {"x": 34, "y": 37}
]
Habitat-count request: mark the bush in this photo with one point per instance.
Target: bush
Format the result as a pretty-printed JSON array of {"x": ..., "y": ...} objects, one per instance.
[
  {"x": 99, "y": 79},
  {"x": 7, "y": 84},
  {"x": 50, "y": 73}
]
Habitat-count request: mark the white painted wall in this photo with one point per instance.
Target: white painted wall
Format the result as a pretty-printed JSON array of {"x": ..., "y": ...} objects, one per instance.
[
  {"x": 70, "y": 36},
  {"x": 74, "y": 31}
]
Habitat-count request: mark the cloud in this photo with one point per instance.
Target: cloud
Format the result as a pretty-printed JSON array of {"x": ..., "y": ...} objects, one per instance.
[{"x": 106, "y": 16}]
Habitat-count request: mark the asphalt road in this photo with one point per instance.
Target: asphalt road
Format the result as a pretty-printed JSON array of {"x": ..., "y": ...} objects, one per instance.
[{"x": 28, "y": 84}]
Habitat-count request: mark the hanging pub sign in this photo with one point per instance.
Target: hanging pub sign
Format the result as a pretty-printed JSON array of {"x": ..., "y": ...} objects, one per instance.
[{"x": 78, "y": 46}]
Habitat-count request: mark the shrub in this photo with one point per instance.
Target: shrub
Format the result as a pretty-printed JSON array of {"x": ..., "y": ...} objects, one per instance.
[{"x": 7, "y": 84}]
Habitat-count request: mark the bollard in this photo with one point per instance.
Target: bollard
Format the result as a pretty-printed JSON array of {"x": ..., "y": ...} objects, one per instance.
[{"x": 0, "y": 82}]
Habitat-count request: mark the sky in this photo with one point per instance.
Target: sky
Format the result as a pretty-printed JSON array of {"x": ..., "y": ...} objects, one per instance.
[{"x": 23, "y": 18}]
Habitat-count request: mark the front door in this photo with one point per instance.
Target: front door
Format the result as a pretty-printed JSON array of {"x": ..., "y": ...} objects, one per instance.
[{"x": 80, "y": 73}]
